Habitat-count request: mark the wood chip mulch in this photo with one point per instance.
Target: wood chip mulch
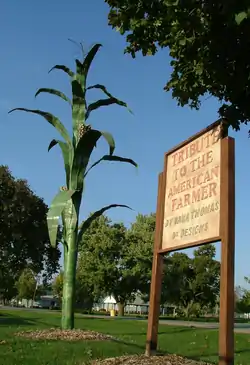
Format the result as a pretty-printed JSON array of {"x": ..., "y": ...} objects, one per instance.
[
  {"x": 145, "y": 360},
  {"x": 64, "y": 335}
]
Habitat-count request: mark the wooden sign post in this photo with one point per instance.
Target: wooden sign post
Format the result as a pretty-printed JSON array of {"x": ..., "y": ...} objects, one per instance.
[{"x": 196, "y": 206}]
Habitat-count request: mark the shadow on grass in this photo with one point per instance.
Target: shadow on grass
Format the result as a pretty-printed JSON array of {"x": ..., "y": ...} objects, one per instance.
[
  {"x": 7, "y": 320},
  {"x": 162, "y": 332},
  {"x": 11, "y": 320}
]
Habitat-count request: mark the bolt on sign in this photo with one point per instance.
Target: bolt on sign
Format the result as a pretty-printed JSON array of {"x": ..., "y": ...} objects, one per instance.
[{"x": 192, "y": 197}]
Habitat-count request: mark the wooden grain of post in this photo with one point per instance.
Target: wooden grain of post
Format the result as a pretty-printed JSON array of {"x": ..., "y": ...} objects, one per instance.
[
  {"x": 227, "y": 233},
  {"x": 157, "y": 271}
]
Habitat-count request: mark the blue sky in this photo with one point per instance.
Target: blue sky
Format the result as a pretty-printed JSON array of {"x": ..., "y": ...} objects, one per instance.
[{"x": 33, "y": 38}]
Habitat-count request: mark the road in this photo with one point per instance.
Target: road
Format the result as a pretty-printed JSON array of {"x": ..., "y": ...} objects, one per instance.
[{"x": 238, "y": 327}]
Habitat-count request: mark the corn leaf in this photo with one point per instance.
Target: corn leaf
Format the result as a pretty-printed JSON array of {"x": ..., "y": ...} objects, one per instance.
[
  {"x": 89, "y": 58},
  {"x": 86, "y": 224},
  {"x": 83, "y": 152},
  {"x": 67, "y": 152},
  {"x": 54, "y": 213},
  {"x": 101, "y": 87},
  {"x": 112, "y": 158},
  {"x": 109, "y": 139},
  {"x": 78, "y": 108},
  {"x": 82, "y": 68},
  {"x": 106, "y": 92},
  {"x": 62, "y": 68},
  {"x": 105, "y": 102},
  {"x": 51, "y": 119},
  {"x": 80, "y": 74},
  {"x": 53, "y": 92},
  {"x": 80, "y": 45}
]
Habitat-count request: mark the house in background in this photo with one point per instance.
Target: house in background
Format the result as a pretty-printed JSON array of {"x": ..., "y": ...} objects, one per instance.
[
  {"x": 48, "y": 301},
  {"x": 45, "y": 301},
  {"x": 138, "y": 306}
]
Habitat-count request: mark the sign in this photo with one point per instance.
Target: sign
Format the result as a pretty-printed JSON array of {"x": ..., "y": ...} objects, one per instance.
[
  {"x": 192, "y": 195},
  {"x": 197, "y": 183}
]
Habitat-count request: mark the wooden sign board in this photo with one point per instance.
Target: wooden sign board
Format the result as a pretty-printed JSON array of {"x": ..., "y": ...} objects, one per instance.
[
  {"x": 192, "y": 196},
  {"x": 196, "y": 205}
]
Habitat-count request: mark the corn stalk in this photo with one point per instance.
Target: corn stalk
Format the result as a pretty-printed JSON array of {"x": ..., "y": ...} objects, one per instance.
[{"x": 76, "y": 151}]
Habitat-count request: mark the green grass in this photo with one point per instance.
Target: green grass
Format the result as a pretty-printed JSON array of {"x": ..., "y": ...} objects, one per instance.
[
  {"x": 194, "y": 343},
  {"x": 165, "y": 317}
]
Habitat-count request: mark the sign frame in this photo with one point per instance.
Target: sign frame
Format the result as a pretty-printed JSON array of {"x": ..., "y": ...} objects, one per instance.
[
  {"x": 226, "y": 236},
  {"x": 167, "y": 155}
]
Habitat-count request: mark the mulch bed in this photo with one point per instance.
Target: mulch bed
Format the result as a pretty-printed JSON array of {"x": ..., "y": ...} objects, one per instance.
[
  {"x": 64, "y": 335},
  {"x": 81, "y": 335},
  {"x": 144, "y": 360}
]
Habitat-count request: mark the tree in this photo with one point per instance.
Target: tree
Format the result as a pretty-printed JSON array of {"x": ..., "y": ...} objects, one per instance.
[
  {"x": 191, "y": 283},
  {"x": 207, "y": 275},
  {"x": 141, "y": 242},
  {"x": 242, "y": 304},
  {"x": 195, "y": 34},
  {"x": 83, "y": 297},
  {"x": 57, "y": 286},
  {"x": 76, "y": 153},
  {"x": 26, "y": 284},
  {"x": 107, "y": 262},
  {"x": 24, "y": 239},
  {"x": 179, "y": 286}
]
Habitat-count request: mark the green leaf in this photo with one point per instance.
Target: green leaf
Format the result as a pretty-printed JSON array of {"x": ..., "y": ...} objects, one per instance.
[
  {"x": 63, "y": 68},
  {"x": 67, "y": 152},
  {"x": 112, "y": 158},
  {"x": 52, "y": 144},
  {"x": 89, "y": 58},
  {"x": 183, "y": 42},
  {"x": 51, "y": 119},
  {"x": 78, "y": 108},
  {"x": 105, "y": 102},
  {"x": 240, "y": 17},
  {"x": 104, "y": 89},
  {"x": 109, "y": 139},
  {"x": 82, "y": 68},
  {"x": 55, "y": 211},
  {"x": 85, "y": 224},
  {"x": 83, "y": 152},
  {"x": 101, "y": 87},
  {"x": 53, "y": 92}
]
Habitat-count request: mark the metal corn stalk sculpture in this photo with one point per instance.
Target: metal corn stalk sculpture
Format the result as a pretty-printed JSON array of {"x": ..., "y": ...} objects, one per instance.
[{"x": 76, "y": 151}]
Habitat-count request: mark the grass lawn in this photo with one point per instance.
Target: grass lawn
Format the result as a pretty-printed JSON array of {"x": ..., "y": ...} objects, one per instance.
[{"x": 194, "y": 343}]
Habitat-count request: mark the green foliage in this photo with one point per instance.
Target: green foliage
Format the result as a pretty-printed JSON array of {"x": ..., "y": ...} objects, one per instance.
[
  {"x": 192, "y": 283},
  {"x": 196, "y": 34},
  {"x": 76, "y": 151},
  {"x": 242, "y": 299},
  {"x": 24, "y": 239},
  {"x": 141, "y": 239},
  {"x": 57, "y": 286},
  {"x": 107, "y": 261},
  {"x": 26, "y": 284},
  {"x": 83, "y": 296},
  {"x": 117, "y": 261}
]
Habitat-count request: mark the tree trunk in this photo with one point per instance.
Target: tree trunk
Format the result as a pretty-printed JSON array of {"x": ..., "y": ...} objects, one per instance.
[
  {"x": 121, "y": 307},
  {"x": 68, "y": 299}
]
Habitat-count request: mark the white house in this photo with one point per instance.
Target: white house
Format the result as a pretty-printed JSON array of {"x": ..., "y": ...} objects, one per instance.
[{"x": 136, "y": 306}]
